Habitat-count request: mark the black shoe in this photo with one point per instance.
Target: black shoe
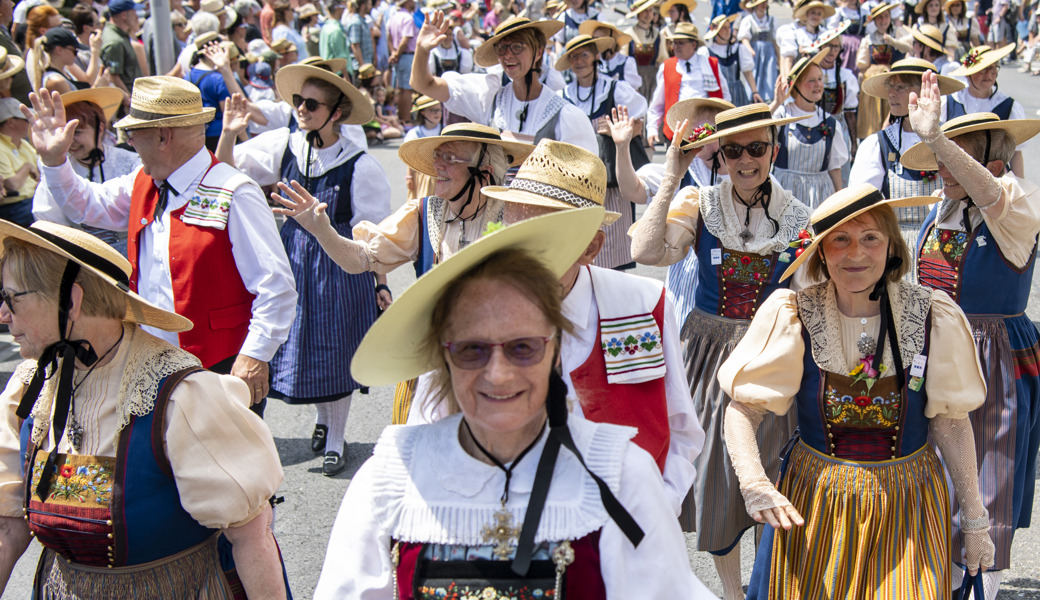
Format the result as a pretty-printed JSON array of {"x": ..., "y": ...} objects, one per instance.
[
  {"x": 318, "y": 438},
  {"x": 335, "y": 462}
]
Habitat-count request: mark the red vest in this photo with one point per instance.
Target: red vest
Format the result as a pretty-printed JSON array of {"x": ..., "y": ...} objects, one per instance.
[
  {"x": 641, "y": 405},
  {"x": 207, "y": 287},
  {"x": 673, "y": 81}
]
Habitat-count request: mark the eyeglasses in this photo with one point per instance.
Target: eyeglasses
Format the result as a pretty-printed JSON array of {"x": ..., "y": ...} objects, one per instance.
[
  {"x": 521, "y": 352},
  {"x": 898, "y": 88},
  {"x": 754, "y": 150},
  {"x": 309, "y": 103},
  {"x": 514, "y": 48},
  {"x": 7, "y": 297},
  {"x": 449, "y": 159}
]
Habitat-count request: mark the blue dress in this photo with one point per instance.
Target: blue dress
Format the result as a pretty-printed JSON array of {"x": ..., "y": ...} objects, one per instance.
[{"x": 767, "y": 69}]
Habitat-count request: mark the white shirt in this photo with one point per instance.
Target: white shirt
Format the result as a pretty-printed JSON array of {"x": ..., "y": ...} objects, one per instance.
[
  {"x": 629, "y": 75},
  {"x": 744, "y": 59},
  {"x": 786, "y": 39},
  {"x": 255, "y": 244},
  {"x": 694, "y": 84},
  {"x": 624, "y": 95},
  {"x": 868, "y": 167},
  {"x": 455, "y": 52},
  {"x": 549, "y": 77},
  {"x": 118, "y": 162},
  {"x": 687, "y": 437},
  {"x": 751, "y": 25}
]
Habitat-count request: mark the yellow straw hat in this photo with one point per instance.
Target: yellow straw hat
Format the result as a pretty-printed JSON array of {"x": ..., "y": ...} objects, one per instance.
[
  {"x": 308, "y": 10},
  {"x": 685, "y": 31},
  {"x": 290, "y": 79},
  {"x": 875, "y": 85},
  {"x": 368, "y": 71},
  {"x": 880, "y": 9},
  {"x": 687, "y": 109},
  {"x": 10, "y": 64},
  {"x": 423, "y": 102},
  {"x": 161, "y": 101},
  {"x": 578, "y": 42},
  {"x": 980, "y": 57},
  {"x": 716, "y": 25},
  {"x": 418, "y": 153},
  {"x": 841, "y": 207},
  {"x": 921, "y": 158},
  {"x": 100, "y": 259},
  {"x": 921, "y": 4},
  {"x": 486, "y": 56},
  {"x": 830, "y": 34},
  {"x": 803, "y": 9},
  {"x": 640, "y": 6},
  {"x": 393, "y": 349},
  {"x": 740, "y": 119},
  {"x": 620, "y": 38},
  {"x": 336, "y": 65},
  {"x": 558, "y": 175},
  {"x": 108, "y": 99},
  {"x": 929, "y": 35},
  {"x": 283, "y": 46},
  {"x": 802, "y": 65},
  {"x": 691, "y": 5}
]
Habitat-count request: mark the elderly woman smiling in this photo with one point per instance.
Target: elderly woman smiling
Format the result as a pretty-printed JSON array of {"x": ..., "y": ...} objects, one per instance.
[{"x": 485, "y": 502}]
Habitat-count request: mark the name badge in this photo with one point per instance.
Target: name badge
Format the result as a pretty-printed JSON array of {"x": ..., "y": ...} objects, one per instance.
[
  {"x": 898, "y": 168},
  {"x": 917, "y": 368},
  {"x": 981, "y": 240},
  {"x": 716, "y": 256}
]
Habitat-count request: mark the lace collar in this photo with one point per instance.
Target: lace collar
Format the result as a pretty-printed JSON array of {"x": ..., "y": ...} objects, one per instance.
[{"x": 720, "y": 218}]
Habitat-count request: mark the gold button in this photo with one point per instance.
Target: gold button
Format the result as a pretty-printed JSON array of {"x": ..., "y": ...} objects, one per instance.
[
  {"x": 897, "y": 427},
  {"x": 893, "y": 450},
  {"x": 109, "y": 566},
  {"x": 830, "y": 434},
  {"x": 893, "y": 438},
  {"x": 109, "y": 523},
  {"x": 110, "y": 536},
  {"x": 110, "y": 548}
]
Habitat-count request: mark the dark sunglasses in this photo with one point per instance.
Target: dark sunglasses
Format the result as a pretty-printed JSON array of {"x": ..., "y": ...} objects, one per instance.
[
  {"x": 309, "y": 103},
  {"x": 522, "y": 352},
  {"x": 754, "y": 150},
  {"x": 7, "y": 297}
]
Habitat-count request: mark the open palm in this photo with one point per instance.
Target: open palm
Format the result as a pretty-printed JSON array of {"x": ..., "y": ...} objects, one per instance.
[{"x": 51, "y": 133}]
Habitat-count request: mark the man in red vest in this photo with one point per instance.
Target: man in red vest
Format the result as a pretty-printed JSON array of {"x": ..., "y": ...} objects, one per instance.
[
  {"x": 201, "y": 239},
  {"x": 686, "y": 75}
]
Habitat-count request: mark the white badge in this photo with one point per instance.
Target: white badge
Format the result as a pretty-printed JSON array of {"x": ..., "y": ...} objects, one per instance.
[
  {"x": 898, "y": 168},
  {"x": 981, "y": 240},
  {"x": 917, "y": 369},
  {"x": 716, "y": 256}
]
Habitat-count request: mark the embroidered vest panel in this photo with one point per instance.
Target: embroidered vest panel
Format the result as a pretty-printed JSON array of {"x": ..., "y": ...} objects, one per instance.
[
  {"x": 207, "y": 287},
  {"x": 645, "y": 54},
  {"x": 834, "y": 99},
  {"x": 641, "y": 405},
  {"x": 419, "y": 578},
  {"x": 883, "y": 54},
  {"x": 735, "y": 286}
]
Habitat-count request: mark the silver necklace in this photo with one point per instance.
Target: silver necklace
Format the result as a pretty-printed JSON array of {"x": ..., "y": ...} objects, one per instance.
[
  {"x": 75, "y": 430},
  {"x": 866, "y": 344}
]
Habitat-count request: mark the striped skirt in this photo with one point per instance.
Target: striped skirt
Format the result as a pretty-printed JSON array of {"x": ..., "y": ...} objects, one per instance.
[
  {"x": 714, "y": 508},
  {"x": 877, "y": 530},
  {"x": 617, "y": 248}
]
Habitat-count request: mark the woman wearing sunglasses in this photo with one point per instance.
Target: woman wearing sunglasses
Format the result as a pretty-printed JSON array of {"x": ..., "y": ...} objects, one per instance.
[
  {"x": 522, "y": 105},
  {"x": 740, "y": 230},
  {"x": 485, "y": 502},
  {"x": 335, "y": 308}
]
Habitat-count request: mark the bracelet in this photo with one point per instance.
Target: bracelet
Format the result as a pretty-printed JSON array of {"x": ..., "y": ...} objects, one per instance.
[{"x": 383, "y": 286}]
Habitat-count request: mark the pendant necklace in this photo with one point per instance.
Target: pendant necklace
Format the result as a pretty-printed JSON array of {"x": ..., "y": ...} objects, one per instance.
[
  {"x": 502, "y": 533},
  {"x": 866, "y": 344},
  {"x": 746, "y": 235},
  {"x": 75, "y": 430}
]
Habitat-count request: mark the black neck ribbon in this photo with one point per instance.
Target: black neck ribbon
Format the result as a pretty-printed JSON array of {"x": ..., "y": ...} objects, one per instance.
[{"x": 887, "y": 326}]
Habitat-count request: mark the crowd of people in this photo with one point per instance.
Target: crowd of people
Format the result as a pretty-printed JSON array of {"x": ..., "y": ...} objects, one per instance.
[{"x": 838, "y": 357}]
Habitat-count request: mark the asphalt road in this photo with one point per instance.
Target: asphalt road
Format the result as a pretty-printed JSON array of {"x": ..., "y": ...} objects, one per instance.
[{"x": 303, "y": 522}]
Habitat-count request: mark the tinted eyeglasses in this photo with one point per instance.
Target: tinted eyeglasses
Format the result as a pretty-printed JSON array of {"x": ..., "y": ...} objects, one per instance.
[
  {"x": 309, "y": 103},
  {"x": 754, "y": 150},
  {"x": 7, "y": 297},
  {"x": 522, "y": 352}
]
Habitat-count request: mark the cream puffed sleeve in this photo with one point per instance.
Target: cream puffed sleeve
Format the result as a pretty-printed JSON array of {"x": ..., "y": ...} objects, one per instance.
[
  {"x": 953, "y": 379},
  {"x": 395, "y": 240},
  {"x": 11, "y": 489},
  {"x": 223, "y": 456},
  {"x": 1016, "y": 227},
  {"x": 680, "y": 230},
  {"x": 765, "y": 369}
]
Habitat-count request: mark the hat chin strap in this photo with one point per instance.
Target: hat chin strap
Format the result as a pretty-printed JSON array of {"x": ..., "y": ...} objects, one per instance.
[
  {"x": 476, "y": 175},
  {"x": 887, "y": 326},
  {"x": 314, "y": 141}
]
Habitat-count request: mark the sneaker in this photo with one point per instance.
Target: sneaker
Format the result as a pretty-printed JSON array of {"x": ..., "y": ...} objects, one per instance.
[
  {"x": 335, "y": 462},
  {"x": 318, "y": 438}
]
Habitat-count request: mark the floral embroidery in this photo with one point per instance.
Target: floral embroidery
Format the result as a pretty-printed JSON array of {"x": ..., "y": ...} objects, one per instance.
[
  {"x": 745, "y": 268},
  {"x": 82, "y": 480},
  {"x": 456, "y": 591},
  {"x": 947, "y": 243},
  {"x": 865, "y": 410}
]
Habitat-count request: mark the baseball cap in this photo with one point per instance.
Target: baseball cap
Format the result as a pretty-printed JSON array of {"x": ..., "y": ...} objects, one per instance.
[
  {"x": 119, "y": 6},
  {"x": 9, "y": 108}
]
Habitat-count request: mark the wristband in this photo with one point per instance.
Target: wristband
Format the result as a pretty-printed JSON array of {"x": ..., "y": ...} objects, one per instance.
[{"x": 383, "y": 286}]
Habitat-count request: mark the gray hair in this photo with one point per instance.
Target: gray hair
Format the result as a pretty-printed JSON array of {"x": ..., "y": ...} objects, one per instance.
[
  {"x": 204, "y": 22},
  {"x": 1001, "y": 145}
]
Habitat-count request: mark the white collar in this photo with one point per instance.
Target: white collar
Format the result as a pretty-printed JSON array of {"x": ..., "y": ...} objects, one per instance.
[
  {"x": 190, "y": 172},
  {"x": 577, "y": 306}
]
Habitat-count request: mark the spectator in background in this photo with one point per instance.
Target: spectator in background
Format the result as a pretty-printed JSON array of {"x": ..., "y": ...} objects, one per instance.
[
  {"x": 117, "y": 53},
  {"x": 401, "y": 32},
  {"x": 84, "y": 22},
  {"x": 267, "y": 20},
  {"x": 200, "y": 23},
  {"x": 286, "y": 51},
  {"x": 283, "y": 30},
  {"x": 211, "y": 73},
  {"x": 17, "y": 164},
  {"x": 17, "y": 85},
  {"x": 333, "y": 39},
  {"x": 11, "y": 65},
  {"x": 249, "y": 11},
  {"x": 309, "y": 28},
  {"x": 55, "y": 53},
  {"x": 40, "y": 19},
  {"x": 359, "y": 33}
]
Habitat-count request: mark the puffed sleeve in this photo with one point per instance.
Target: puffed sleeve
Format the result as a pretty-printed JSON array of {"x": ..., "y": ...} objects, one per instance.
[
  {"x": 10, "y": 449},
  {"x": 261, "y": 157},
  {"x": 223, "y": 455},
  {"x": 681, "y": 229},
  {"x": 1016, "y": 227},
  {"x": 472, "y": 95},
  {"x": 953, "y": 379},
  {"x": 765, "y": 369},
  {"x": 395, "y": 240}
]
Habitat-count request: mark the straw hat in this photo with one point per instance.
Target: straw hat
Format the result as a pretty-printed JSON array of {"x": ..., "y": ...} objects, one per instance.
[
  {"x": 921, "y": 158},
  {"x": 100, "y": 259},
  {"x": 802, "y": 65},
  {"x": 687, "y": 109},
  {"x": 830, "y": 35},
  {"x": 423, "y": 102},
  {"x": 929, "y": 35},
  {"x": 743, "y": 118},
  {"x": 685, "y": 31},
  {"x": 919, "y": 7},
  {"x": 289, "y": 80},
  {"x": 205, "y": 39},
  {"x": 879, "y": 10},
  {"x": 336, "y": 65},
  {"x": 368, "y": 71},
  {"x": 283, "y": 46},
  {"x": 640, "y": 6},
  {"x": 980, "y": 57},
  {"x": 418, "y": 153},
  {"x": 393, "y": 351},
  {"x": 803, "y": 10},
  {"x": 558, "y": 175},
  {"x": 308, "y": 10},
  {"x": 486, "y": 56},
  {"x": 875, "y": 85},
  {"x": 108, "y": 99},
  {"x": 716, "y": 25},
  {"x": 217, "y": 8},
  {"x": 841, "y": 207},
  {"x": 161, "y": 101},
  {"x": 949, "y": 3},
  {"x": 589, "y": 28},
  {"x": 749, "y": 5},
  {"x": 10, "y": 64},
  {"x": 578, "y": 42},
  {"x": 668, "y": 4}
]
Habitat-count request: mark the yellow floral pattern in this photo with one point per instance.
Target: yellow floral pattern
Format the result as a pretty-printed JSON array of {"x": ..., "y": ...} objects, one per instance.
[{"x": 78, "y": 480}]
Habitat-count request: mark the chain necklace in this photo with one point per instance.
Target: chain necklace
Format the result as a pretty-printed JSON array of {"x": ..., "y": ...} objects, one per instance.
[
  {"x": 745, "y": 234},
  {"x": 75, "y": 429}
]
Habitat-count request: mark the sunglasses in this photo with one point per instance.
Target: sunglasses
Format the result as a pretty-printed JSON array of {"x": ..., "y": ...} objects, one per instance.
[
  {"x": 514, "y": 48},
  {"x": 7, "y": 297},
  {"x": 521, "y": 352},
  {"x": 754, "y": 150},
  {"x": 449, "y": 159},
  {"x": 309, "y": 103}
]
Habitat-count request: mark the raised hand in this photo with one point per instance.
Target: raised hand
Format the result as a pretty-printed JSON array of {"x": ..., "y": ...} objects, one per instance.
[
  {"x": 236, "y": 114},
  {"x": 302, "y": 206},
  {"x": 622, "y": 128},
  {"x": 218, "y": 55},
  {"x": 676, "y": 162},
  {"x": 51, "y": 134},
  {"x": 925, "y": 109},
  {"x": 433, "y": 32},
  {"x": 95, "y": 43}
]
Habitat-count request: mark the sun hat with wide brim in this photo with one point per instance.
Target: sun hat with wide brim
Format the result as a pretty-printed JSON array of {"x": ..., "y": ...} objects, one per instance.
[
  {"x": 930, "y": 36},
  {"x": 667, "y": 5},
  {"x": 921, "y": 158},
  {"x": 803, "y": 10},
  {"x": 10, "y": 64},
  {"x": 282, "y": 46},
  {"x": 161, "y": 101},
  {"x": 100, "y": 259},
  {"x": 486, "y": 56},
  {"x": 716, "y": 25},
  {"x": 558, "y": 175},
  {"x": 308, "y": 10},
  {"x": 749, "y": 5},
  {"x": 336, "y": 65},
  {"x": 841, "y": 207},
  {"x": 829, "y": 35},
  {"x": 640, "y": 6},
  {"x": 949, "y": 3},
  {"x": 418, "y": 153},
  {"x": 368, "y": 71},
  {"x": 290, "y": 79},
  {"x": 980, "y": 57},
  {"x": 685, "y": 31},
  {"x": 802, "y": 65},
  {"x": 740, "y": 119},
  {"x": 875, "y": 85},
  {"x": 687, "y": 109},
  {"x": 206, "y": 39},
  {"x": 579, "y": 42},
  {"x": 393, "y": 349},
  {"x": 423, "y": 102},
  {"x": 108, "y": 99},
  {"x": 921, "y": 4},
  {"x": 620, "y": 38},
  {"x": 880, "y": 9}
]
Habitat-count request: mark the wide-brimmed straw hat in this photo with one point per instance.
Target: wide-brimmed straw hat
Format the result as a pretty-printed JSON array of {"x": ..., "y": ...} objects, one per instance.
[
  {"x": 949, "y": 3},
  {"x": 589, "y": 28},
  {"x": 685, "y": 31},
  {"x": 368, "y": 71},
  {"x": 418, "y": 153},
  {"x": 743, "y": 118},
  {"x": 308, "y": 10},
  {"x": 161, "y": 101},
  {"x": 668, "y": 4},
  {"x": 393, "y": 349},
  {"x": 880, "y": 9},
  {"x": 875, "y": 85},
  {"x": 558, "y": 175},
  {"x": 686, "y": 109},
  {"x": 919, "y": 7},
  {"x": 100, "y": 259},
  {"x": 803, "y": 9},
  {"x": 640, "y": 6},
  {"x": 336, "y": 65},
  {"x": 577, "y": 43},
  {"x": 717, "y": 23},
  {"x": 921, "y": 158},
  {"x": 828, "y": 35},
  {"x": 486, "y": 56},
  {"x": 423, "y": 102},
  {"x": 282, "y": 46},
  {"x": 108, "y": 99},
  {"x": 289, "y": 80},
  {"x": 749, "y": 5},
  {"x": 802, "y": 64},
  {"x": 841, "y": 207},
  {"x": 980, "y": 57},
  {"x": 217, "y": 8},
  {"x": 10, "y": 64},
  {"x": 206, "y": 39},
  {"x": 929, "y": 35}
]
